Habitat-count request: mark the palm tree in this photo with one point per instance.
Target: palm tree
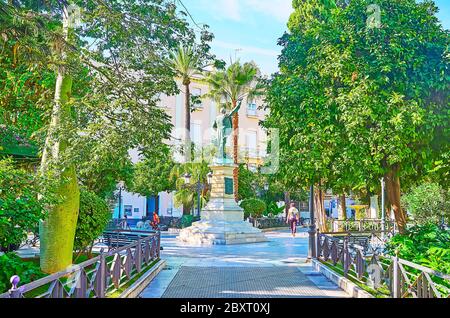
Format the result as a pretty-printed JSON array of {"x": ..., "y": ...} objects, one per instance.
[
  {"x": 233, "y": 85},
  {"x": 186, "y": 196},
  {"x": 185, "y": 63}
]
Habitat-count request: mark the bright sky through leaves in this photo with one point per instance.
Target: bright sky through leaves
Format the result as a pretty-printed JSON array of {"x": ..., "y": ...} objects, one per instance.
[{"x": 249, "y": 29}]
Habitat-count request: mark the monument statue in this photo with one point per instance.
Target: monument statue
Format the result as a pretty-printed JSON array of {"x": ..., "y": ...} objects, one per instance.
[
  {"x": 224, "y": 126},
  {"x": 222, "y": 219}
]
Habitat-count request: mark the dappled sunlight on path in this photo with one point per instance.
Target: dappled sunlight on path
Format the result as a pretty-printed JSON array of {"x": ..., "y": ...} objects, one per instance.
[{"x": 276, "y": 268}]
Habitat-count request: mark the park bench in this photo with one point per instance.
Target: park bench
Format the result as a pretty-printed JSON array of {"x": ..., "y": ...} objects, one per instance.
[{"x": 117, "y": 239}]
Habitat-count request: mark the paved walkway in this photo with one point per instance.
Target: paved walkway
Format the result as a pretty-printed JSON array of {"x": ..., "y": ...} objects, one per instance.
[{"x": 276, "y": 268}]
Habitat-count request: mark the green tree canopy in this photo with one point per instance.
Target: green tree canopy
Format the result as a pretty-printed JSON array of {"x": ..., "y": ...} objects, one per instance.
[
  {"x": 355, "y": 102},
  {"x": 152, "y": 175},
  {"x": 98, "y": 93}
]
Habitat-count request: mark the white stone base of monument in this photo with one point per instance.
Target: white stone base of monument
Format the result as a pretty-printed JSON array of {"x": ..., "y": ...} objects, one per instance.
[
  {"x": 221, "y": 233},
  {"x": 222, "y": 220}
]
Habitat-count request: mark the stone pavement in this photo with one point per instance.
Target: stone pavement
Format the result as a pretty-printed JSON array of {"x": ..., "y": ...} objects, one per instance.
[{"x": 276, "y": 268}]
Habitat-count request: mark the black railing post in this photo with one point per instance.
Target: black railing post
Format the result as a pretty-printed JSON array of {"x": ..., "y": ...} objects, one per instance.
[
  {"x": 312, "y": 226},
  {"x": 345, "y": 256},
  {"x": 318, "y": 245}
]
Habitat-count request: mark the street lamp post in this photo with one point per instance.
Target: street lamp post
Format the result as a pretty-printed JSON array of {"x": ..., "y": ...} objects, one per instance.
[
  {"x": 198, "y": 186},
  {"x": 382, "y": 207},
  {"x": 312, "y": 226},
  {"x": 121, "y": 187}
]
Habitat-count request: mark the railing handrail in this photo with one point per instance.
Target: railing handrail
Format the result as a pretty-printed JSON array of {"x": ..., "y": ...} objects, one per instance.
[
  {"x": 77, "y": 267},
  {"x": 424, "y": 269},
  {"x": 349, "y": 233},
  {"x": 350, "y": 255}
]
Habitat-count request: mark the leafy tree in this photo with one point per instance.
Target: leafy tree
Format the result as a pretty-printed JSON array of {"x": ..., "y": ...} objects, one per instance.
[
  {"x": 428, "y": 203},
  {"x": 253, "y": 207},
  {"x": 247, "y": 182},
  {"x": 20, "y": 205},
  {"x": 153, "y": 175},
  {"x": 93, "y": 217},
  {"x": 104, "y": 93},
  {"x": 233, "y": 85},
  {"x": 186, "y": 195},
  {"x": 354, "y": 103}
]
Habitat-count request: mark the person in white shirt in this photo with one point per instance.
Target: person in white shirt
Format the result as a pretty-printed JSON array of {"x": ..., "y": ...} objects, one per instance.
[{"x": 292, "y": 218}]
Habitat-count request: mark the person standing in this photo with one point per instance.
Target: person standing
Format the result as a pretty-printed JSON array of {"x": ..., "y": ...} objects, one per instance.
[
  {"x": 292, "y": 218},
  {"x": 155, "y": 222}
]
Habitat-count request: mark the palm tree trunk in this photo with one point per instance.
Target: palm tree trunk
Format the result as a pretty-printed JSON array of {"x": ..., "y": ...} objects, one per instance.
[
  {"x": 393, "y": 195},
  {"x": 236, "y": 152},
  {"x": 187, "y": 123},
  {"x": 186, "y": 209},
  {"x": 57, "y": 231}
]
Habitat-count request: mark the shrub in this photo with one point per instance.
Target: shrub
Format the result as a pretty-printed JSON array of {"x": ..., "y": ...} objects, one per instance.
[
  {"x": 20, "y": 207},
  {"x": 12, "y": 264},
  {"x": 253, "y": 207},
  {"x": 93, "y": 217},
  {"x": 427, "y": 245},
  {"x": 273, "y": 209},
  {"x": 187, "y": 220},
  {"x": 428, "y": 203}
]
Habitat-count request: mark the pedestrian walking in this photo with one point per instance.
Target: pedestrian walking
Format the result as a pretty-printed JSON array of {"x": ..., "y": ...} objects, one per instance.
[{"x": 292, "y": 218}]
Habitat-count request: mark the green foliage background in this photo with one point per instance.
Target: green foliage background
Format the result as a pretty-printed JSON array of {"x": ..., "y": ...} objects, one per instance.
[
  {"x": 427, "y": 245},
  {"x": 20, "y": 205},
  {"x": 428, "y": 203},
  {"x": 253, "y": 207},
  {"x": 11, "y": 264}
]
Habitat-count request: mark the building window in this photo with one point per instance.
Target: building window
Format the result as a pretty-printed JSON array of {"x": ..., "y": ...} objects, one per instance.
[
  {"x": 251, "y": 144},
  {"x": 251, "y": 109},
  {"x": 196, "y": 134},
  {"x": 128, "y": 210},
  {"x": 197, "y": 92},
  {"x": 136, "y": 210}
]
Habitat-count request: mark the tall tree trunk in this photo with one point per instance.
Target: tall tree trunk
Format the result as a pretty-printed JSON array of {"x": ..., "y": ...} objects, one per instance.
[
  {"x": 342, "y": 208},
  {"x": 393, "y": 194},
  {"x": 57, "y": 231},
  {"x": 236, "y": 152},
  {"x": 186, "y": 209},
  {"x": 342, "y": 211},
  {"x": 187, "y": 122},
  {"x": 319, "y": 210}
]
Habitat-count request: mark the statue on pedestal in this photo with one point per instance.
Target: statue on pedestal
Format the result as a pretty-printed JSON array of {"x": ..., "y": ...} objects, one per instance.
[{"x": 224, "y": 126}]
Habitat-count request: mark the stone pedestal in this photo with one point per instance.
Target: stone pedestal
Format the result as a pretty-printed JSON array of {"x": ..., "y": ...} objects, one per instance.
[{"x": 222, "y": 220}]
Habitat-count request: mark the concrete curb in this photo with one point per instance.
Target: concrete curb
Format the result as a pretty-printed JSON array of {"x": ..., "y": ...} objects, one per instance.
[
  {"x": 138, "y": 286},
  {"x": 347, "y": 285}
]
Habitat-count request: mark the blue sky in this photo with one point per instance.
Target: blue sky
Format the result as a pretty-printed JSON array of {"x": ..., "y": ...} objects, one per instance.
[{"x": 249, "y": 29}]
